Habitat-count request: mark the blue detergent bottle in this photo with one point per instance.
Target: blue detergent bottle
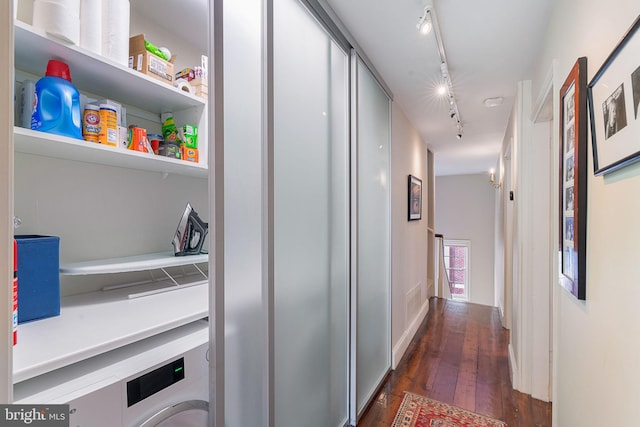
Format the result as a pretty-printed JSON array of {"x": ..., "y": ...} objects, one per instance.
[{"x": 56, "y": 105}]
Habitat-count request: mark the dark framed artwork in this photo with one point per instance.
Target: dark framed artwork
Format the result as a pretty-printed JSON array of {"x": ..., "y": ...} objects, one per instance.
[
  {"x": 415, "y": 198},
  {"x": 614, "y": 95},
  {"x": 573, "y": 180}
]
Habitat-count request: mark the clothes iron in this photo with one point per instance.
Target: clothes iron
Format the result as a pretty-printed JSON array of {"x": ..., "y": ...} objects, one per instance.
[{"x": 190, "y": 235}]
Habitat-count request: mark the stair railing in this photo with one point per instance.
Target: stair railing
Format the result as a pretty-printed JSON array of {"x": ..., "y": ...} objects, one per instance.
[{"x": 442, "y": 279}]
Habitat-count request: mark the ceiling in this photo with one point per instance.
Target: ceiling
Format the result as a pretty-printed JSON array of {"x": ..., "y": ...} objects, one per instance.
[{"x": 490, "y": 45}]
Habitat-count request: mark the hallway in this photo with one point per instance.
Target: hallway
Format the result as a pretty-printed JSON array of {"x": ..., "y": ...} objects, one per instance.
[{"x": 459, "y": 356}]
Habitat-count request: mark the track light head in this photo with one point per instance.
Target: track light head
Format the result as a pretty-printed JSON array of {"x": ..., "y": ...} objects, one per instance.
[
  {"x": 424, "y": 25},
  {"x": 444, "y": 70}
]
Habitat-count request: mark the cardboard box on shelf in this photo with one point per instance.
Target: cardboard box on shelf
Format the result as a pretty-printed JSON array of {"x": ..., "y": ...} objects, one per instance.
[
  {"x": 187, "y": 74},
  {"x": 200, "y": 87},
  {"x": 190, "y": 136},
  {"x": 147, "y": 63},
  {"x": 197, "y": 80},
  {"x": 189, "y": 154},
  {"x": 38, "y": 277}
]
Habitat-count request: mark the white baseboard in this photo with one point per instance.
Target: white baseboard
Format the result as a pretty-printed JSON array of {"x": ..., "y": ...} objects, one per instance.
[
  {"x": 541, "y": 397},
  {"x": 404, "y": 341},
  {"x": 513, "y": 368}
]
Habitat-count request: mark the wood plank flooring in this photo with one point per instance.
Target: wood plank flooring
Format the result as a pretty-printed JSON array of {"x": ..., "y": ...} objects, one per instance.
[{"x": 459, "y": 356}]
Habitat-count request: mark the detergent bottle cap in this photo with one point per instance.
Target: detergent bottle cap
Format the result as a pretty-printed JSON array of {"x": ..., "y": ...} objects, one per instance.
[{"x": 57, "y": 68}]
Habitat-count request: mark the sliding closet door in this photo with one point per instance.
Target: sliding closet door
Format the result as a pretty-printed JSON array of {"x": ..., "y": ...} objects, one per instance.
[
  {"x": 310, "y": 221},
  {"x": 244, "y": 307},
  {"x": 373, "y": 327}
]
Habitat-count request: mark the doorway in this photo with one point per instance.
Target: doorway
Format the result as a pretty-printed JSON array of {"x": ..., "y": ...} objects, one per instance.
[{"x": 456, "y": 261}]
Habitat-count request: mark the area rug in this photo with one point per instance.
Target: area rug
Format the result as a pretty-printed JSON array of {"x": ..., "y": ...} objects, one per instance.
[{"x": 420, "y": 411}]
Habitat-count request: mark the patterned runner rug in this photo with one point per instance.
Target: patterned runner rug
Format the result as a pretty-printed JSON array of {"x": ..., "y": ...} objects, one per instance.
[{"x": 420, "y": 411}]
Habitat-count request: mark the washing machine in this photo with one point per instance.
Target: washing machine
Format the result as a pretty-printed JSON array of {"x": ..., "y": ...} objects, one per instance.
[{"x": 161, "y": 381}]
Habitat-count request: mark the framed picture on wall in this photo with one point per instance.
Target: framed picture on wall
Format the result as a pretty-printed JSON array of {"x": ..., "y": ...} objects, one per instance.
[
  {"x": 614, "y": 96},
  {"x": 415, "y": 198},
  {"x": 573, "y": 180}
]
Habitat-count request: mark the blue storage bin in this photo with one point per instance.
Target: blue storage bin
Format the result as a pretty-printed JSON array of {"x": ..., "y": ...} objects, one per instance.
[{"x": 38, "y": 277}]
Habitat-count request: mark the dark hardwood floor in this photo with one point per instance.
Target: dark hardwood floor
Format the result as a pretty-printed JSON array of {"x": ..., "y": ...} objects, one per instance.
[{"x": 459, "y": 356}]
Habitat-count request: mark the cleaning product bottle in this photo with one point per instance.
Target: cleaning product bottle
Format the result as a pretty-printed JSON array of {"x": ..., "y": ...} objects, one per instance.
[{"x": 57, "y": 103}]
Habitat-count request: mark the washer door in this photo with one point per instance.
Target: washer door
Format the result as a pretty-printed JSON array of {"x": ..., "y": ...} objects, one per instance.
[{"x": 192, "y": 413}]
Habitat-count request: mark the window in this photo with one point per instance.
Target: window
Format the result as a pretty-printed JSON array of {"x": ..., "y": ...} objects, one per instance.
[{"x": 456, "y": 262}]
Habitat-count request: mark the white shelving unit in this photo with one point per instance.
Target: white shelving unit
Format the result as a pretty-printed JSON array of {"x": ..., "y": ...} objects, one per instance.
[
  {"x": 89, "y": 375},
  {"x": 132, "y": 263},
  {"x": 61, "y": 147},
  {"x": 102, "y": 76},
  {"x": 96, "y": 322}
]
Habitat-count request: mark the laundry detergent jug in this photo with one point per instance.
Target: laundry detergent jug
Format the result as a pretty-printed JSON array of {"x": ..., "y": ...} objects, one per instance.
[{"x": 56, "y": 105}]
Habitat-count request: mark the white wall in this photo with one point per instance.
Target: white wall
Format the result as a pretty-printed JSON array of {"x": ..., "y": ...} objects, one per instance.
[
  {"x": 596, "y": 346},
  {"x": 465, "y": 209},
  {"x": 409, "y": 299}
]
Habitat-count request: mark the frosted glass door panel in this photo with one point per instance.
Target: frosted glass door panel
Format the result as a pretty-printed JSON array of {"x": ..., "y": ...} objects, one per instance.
[
  {"x": 373, "y": 314},
  {"x": 311, "y": 222},
  {"x": 244, "y": 328}
]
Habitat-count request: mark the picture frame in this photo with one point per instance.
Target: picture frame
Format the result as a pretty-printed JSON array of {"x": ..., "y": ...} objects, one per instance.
[
  {"x": 614, "y": 98},
  {"x": 573, "y": 180},
  {"x": 415, "y": 198}
]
